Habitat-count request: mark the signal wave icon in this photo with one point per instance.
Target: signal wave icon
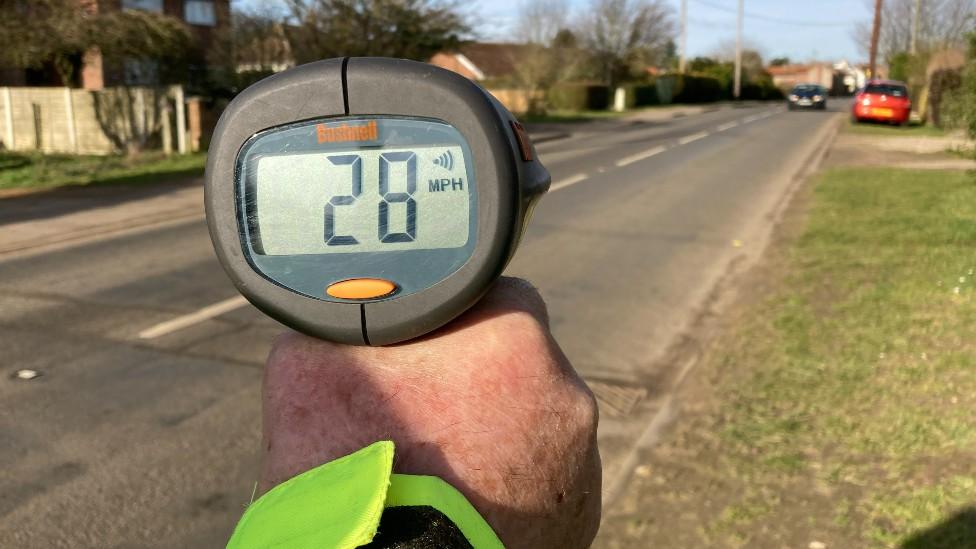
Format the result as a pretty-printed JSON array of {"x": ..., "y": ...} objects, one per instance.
[{"x": 445, "y": 161}]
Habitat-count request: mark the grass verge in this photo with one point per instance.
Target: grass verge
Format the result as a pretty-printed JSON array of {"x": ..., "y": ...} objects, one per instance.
[
  {"x": 838, "y": 409},
  {"x": 21, "y": 171},
  {"x": 860, "y": 368}
]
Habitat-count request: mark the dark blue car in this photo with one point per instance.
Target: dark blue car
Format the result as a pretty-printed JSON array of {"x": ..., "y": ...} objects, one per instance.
[{"x": 807, "y": 96}]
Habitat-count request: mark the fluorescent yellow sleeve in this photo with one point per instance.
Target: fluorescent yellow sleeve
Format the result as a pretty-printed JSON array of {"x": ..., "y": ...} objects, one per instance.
[{"x": 338, "y": 505}]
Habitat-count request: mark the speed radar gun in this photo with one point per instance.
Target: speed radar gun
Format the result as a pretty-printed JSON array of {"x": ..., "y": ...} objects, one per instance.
[{"x": 366, "y": 201}]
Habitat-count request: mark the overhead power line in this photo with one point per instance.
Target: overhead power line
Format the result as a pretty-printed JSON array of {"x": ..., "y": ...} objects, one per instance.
[{"x": 770, "y": 19}]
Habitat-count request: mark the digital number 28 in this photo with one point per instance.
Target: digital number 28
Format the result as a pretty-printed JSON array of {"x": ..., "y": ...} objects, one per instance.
[{"x": 386, "y": 198}]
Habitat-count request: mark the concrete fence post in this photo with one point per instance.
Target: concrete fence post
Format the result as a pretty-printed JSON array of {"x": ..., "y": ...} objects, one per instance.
[
  {"x": 619, "y": 100},
  {"x": 8, "y": 118},
  {"x": 38, "y": 126},
  {"x": 140, "y": 113},
  {"x": 167, "y": 128},
  {"x": 180, "y": 119},
  {"x": 194, "y": 122},
  {"x": 69, "y": 110}
]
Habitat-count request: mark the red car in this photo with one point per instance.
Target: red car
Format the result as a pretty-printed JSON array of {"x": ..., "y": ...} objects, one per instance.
[{"x": 882, "y": 101}]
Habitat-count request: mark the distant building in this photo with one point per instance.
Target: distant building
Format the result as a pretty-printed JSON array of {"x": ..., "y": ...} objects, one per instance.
[
  {"x": 204, "y": 18},
  {"x": 493, "y": 62},
  {"x": 851, "y": 77},
  {"x": 787, "y": 76},
  {"x": 840, "y": 78}
]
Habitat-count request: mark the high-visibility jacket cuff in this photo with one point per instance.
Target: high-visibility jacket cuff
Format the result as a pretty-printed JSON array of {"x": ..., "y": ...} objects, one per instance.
[{"x": 339, "y": 505}]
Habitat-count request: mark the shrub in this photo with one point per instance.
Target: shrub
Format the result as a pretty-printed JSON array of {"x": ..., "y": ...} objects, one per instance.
[
  {"x": 579, "y": 97},
  {"x": 646, "y": 95},
  {"x": 960, "y": 109},
  {"x": 942, "y": 84},
  {"x": 698, "y": 89}
]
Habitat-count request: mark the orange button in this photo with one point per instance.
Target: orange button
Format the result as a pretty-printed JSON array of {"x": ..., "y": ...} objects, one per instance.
[{"x": 361, "y": 288}]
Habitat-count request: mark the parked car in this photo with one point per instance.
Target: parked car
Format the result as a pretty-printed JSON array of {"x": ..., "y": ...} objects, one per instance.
[
  {"x": 807, "y": 96},
  {"x": 882, "y": 101}
]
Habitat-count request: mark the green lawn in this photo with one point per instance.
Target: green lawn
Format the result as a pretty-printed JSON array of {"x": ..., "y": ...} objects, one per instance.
[
  {"x": 912, "y": 130},
  {"x": 19, "y": 171},
  {"x": 841, "y": 405}
]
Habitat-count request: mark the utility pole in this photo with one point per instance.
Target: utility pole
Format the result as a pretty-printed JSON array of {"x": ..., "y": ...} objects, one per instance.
[
  {"x": 913, "y": 49},
  {"x": 737, "y": 88},
  {"x": 684, "y": 37},
  {"x": 875, "y": 34}
]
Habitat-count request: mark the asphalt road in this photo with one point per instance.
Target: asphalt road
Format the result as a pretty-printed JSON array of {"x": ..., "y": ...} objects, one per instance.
[{"x": 132, "y": 442}]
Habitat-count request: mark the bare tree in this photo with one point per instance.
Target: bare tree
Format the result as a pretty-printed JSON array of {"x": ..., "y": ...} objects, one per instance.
[
  {"x": 624, "y": 35},
  {"x": 549, "y": 54},
  {"x": 411, "y": 29},
  {"x": 753, "y": 65},
  {"x": 253, "y": 46},
  {"x": 941, "y": 23}
]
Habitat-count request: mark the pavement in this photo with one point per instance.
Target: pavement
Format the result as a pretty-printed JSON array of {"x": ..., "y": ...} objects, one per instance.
[
  {"x": 918, "y": 153},
  {"x": 143, "y": 425}
]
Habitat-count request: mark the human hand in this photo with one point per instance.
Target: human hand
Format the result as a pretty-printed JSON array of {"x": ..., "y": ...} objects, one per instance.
[{"x": 488, "y": 403}]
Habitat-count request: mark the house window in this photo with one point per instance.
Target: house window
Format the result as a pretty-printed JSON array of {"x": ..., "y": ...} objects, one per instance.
[
  {"x": 200, "y": 12},
  {"x": 147, "y": 5},
  {"x": 138, "y": 72}
]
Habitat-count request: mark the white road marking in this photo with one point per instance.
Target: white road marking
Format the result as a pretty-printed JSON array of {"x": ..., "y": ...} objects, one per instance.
[
  {"x": 727, "y": 126},
  {"x": 185, "y": 321},
  {"x": 571, "y": 180},
  {"x": 693, "y": 137},
  {"x": 752, "y": 118},
  {"x": 641, "y": 156}
]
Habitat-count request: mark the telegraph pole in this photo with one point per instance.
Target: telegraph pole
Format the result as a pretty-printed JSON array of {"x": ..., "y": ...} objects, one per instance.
[
  {"x": 915, "y": 18},
  {"x": 737, "y": 88},
  {"x": 875, "y": 34},
  {"x": 684, "y": 37}
]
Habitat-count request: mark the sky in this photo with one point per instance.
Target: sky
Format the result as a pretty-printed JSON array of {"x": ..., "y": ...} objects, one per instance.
[
  {"x": 798, "y": 29},
  {"x": 802, "y": 30}
]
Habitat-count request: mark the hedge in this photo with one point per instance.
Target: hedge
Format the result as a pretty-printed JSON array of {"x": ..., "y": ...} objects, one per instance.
[
  {"x": 663, "y": 90},
  {"x": 644, "y": 95},
  {"x": 579, "y": 97}
]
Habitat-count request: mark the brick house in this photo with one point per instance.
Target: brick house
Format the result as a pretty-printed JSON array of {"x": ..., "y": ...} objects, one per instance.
[
  {"x": 203, "y": 17},
  {"x": 481, "y": 61}
]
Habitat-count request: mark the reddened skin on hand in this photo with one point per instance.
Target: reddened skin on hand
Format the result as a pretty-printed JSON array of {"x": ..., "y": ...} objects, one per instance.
[{"x": 489, "y": 403}]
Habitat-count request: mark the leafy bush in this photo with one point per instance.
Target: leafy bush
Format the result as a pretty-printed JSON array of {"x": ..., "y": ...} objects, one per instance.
[
  {"x": 698, "y": 89},
  {"x": 645, "y": 95},
  {"x": 959, "y": 110},
  {"x": 761, "y": 90},
  {"x": 942, "y": 85},
  {"x": 579, "y": 97},
  {"x": 900, "y": 66}
]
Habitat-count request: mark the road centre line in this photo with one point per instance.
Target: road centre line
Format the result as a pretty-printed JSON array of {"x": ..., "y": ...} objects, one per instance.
[
  {"x": 185, "y": 321},
  {"x": 571, "y": 180},
  {"x": 641, "y": 156},
  {"x": 727, "y": 126},
  {"x": 751, "y": 118},
  {"x": 693, "y": 137}
]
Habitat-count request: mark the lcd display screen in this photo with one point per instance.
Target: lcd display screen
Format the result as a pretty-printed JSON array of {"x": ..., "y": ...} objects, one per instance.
[{"x": 361, "y": 186}]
